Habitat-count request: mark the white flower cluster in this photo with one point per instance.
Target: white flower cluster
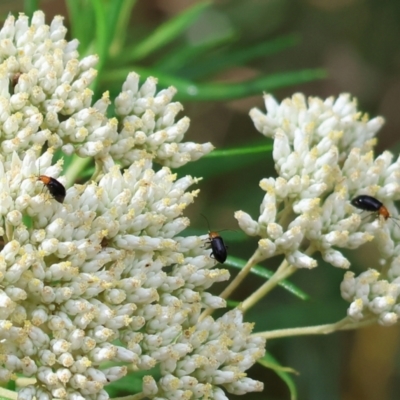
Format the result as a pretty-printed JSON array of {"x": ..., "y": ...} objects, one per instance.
[
  {"x": 323, "y": 157},
  {"x": 148, "y": 120},
  {"x": 51, "y": 100},
  {"x": 373, "y": 292},
  {"x": 370, "y": 295},
  {"x": 103, "y": 284},
  {"x": 210, "y": 354}
]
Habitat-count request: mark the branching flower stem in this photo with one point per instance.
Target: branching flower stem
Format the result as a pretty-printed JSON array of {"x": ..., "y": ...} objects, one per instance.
[
  {"x": 344, "y": 324},
  {"x": 137, "y": 396},
  {"x": 283, "y": 271},
  {"x": 235, "y": 282}
]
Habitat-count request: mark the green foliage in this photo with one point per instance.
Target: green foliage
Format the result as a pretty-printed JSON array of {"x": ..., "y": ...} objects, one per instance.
[
  {"x": 221, "y": 162},
  {"x": 283, "y": 372},
  {"x": 172, "y": 53},
  {"x": 131, "y": 383}
]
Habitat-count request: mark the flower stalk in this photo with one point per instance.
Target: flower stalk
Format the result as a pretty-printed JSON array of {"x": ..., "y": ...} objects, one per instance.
[
  {"x": 346, "y": 323},
  {"x": 283, "y": 272}
]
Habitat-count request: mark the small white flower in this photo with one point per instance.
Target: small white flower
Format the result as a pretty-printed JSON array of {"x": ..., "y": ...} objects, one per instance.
[{"x": 356, "y": 310}]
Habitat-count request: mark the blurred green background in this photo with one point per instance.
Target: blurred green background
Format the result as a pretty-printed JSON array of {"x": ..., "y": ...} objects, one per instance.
[{"x": 221, "y": 56}]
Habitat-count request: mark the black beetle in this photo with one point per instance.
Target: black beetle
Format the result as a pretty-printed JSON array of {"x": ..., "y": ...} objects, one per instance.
[
  {"x": 56, "y": 189},
  {"x": 218, "y": 247},
  {"x": 217, "y": 244},
  {"x": 369, "y": 203}
]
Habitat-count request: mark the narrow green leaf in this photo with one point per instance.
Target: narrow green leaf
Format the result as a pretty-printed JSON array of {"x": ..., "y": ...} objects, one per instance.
[
  {"x": 30, "y": 6},
  {"x": 86, "y": 174},
  {"x": 220, "y": 162},
  {"x": 181, "y": 56},
  {"x": 283, "y": 372},
  {"x": 82, "y": 20},
  {"x": 106, "y": 22},
  {"x": 76, "y": 166},
  {"x": 230, "y": 91},
  {"x": 101, "y": 32},
  {"x": 120, "y": 13},
  {"x": 240, "y": 151},
  {"x": 188, "y": 90},
  {"x": 165, "y": 33},
  {"x": 232, "y": 303},
  {"x": 73, "y": 10},
  {"x": 212, "y": 64},
  {"x": 265, "y": 273}
]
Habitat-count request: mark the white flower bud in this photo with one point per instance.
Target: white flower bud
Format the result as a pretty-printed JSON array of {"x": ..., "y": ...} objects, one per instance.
[
  {"x": 125, "y": 355},
  {"x": 388, "y": 318},
  {"x": 281, "y": 148},
  {"x": 64, "y": 375},
  {"x": 14, "y": 218},
  {"x": 290, "y": 239},
  {"x": 348, "y": 286},
  {"x": 59, "y": 392},
  {"x": 12, "y": 362},
  {"x": 47, "y": 376},
  {"x": 78, "y": 381},
  {"x": 60, "y": 346},
  {"x": 301, "y": 260},
  {"x": 267, "y": 209},
  {"x": 355, "y": 310},
  {"x": 47, "y": 357},
  {"x": 381, "y": 303},
  {"x": 213, "y": 301},
  {"x": 266, "y": 248},
  {"x": 306, "y": 205},
  {"x": 246, "y": 223},
  {"x": 96, "y": 375},
  {"x": 336, "y": 258},
  {"x": 244, "y": 385},
  {"x": 149, "y": 386},
  {"x": 114, "y": 373},
  {"x": 28, "y": 393}
]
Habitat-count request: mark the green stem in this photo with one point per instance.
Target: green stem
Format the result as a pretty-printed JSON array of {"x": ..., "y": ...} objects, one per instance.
[
  {"x": 8, "y": 236},
  {"x": 7, "y": 394},
  {"x": 235, "y": 283},
  {"x": 137, "y": 396},
  {"x": 240, "y": 276},
  {"x": 98, "y": 170},
  {"x": 344, "y": 324},
  {"x": 283, "y": 271},
  {"x": 74, "y": 170}
]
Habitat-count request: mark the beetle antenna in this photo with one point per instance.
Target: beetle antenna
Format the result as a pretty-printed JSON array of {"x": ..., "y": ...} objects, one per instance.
[
  {"x": 208, "y": 224},
  {"x": 227, "y": 229},
  {"x": 366, "y": 216},
  {"x": 39, "y": 175}
]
